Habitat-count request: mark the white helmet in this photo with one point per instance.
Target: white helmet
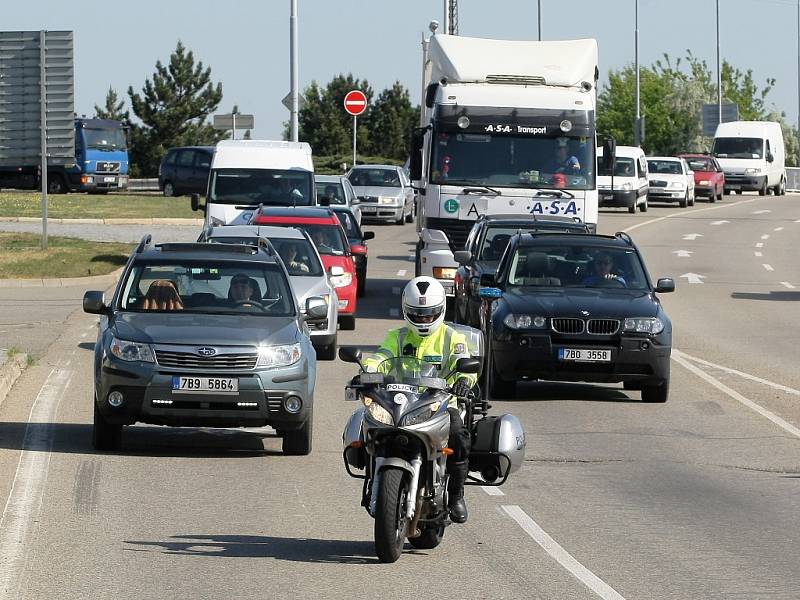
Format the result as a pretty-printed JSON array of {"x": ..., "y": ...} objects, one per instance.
[{"x": 423, "y": 305}]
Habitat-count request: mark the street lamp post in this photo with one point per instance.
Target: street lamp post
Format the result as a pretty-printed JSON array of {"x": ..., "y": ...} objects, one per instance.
[
  {"x": 637, "y": 141},
  {"x": 539, "y": 19},
  {"x": 719, "y": 74},
  {"x": 293, "y": 71}
]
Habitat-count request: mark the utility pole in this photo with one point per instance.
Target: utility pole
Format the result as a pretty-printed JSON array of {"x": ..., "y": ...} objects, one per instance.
[
  {"x": 293, "y": 70},
  {"x": 798, "y": 72},
  {"x": 637, "y": 131},
  {"x": 719, "y": 74},
  {"x": 539, "y": 19}
]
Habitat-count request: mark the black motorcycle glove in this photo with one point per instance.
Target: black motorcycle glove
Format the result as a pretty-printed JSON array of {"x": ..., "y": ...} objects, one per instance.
[
  {"x": 356, "y": 380},
  {"x": 462, "y": 388}
]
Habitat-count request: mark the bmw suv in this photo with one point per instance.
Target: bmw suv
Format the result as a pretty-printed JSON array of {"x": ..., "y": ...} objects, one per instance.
[{"x": 204, "y": 335}]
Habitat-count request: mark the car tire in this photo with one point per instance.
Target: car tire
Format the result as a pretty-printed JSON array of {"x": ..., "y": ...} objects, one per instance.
[
  {"x": 410, "y": 216},
  {"x": 328, "y": 352},
  {"x": 500, "y": 388},
  {"x": 763, "y": 189},
  {"x": 780, "y": 189},
  {"x": 169, "y": 189},
  {"x": 684, "y": 201},
  {"x": 691, "y": 199},
  {"x": 402, "y": 219},
  {"x": 105, "y": 435},
  {"x": 347, "y": 322},
  {"x": 298, "y": 442},
  {"x": 56, "y": 185},
  {"x": 721, "y": 194},
  {"x": 655, "y": 393},
  {"x": 632, "y": 207},
  {"x": 643, "y": 206},
  {"x": 712, "y": 197},
  {"x": 361, "y": 290}
]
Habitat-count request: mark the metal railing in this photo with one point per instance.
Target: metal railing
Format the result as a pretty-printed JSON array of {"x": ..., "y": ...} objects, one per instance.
[{"x": 143, "y": 185}]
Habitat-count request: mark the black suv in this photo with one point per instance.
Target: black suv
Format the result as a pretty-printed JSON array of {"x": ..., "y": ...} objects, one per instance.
[
  {"x": 204, "y": 335},
  {"x": 185, "y": 170},
  {"x": 576, "y": 308},
  {"x": 486, "y": 242}
]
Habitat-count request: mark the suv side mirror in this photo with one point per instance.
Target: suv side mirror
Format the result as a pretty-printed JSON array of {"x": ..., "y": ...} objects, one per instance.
[
  {"x": 665, "y": 285},
  {"x": 94, "y": 302},
  {"x": 415, "y": 161},
  {"x": 462, "y": 257}
]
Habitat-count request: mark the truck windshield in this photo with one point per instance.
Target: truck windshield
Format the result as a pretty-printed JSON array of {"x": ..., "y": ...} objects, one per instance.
[
  {"x": 738, "y": 148},
  {"x": 270, "y": 187},
  {"x": 513, "y": 161},
  {"x": 105, "y": 139}
]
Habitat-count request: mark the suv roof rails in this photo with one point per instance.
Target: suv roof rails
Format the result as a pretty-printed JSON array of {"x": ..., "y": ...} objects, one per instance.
[
  {"x": 201, "y": 247},
  {"x": 624, "y": 237},
  {"x": 146, "y": 240}
]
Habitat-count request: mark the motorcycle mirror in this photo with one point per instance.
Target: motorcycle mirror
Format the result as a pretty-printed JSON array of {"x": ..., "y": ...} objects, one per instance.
[
  {"x": 352, "y": 355},
  {"x": 468, "y": 365}
]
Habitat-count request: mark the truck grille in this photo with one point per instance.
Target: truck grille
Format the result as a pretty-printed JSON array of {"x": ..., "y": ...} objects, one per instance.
[
  {"x": 107, "y": 166},
  {"x": 570, "y": 326},
  {"x": 602, "y": 326},
  {"x": 193, "y": 361},
  {"x": 456, "y": 230}
]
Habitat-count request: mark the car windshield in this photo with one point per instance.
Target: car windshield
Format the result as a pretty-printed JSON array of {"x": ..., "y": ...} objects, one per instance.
[
  {"x": 374, "y": 178},
  {"x": 329, "y": 239},
  {"x": 105, "y": 139},
  {"x": 349, "y": 224},
  {"x": 623, "y": 167},
  {"x": 208, "y": 288},
  {"x": 332, "y": 192},
  {"x": 270, "y": 187},
  {"x": 700, "y": 164},
  {"x": 409, "y": 370},
  {"x": 473, "y": 159},
  {"x": 299, "y": 256},
  {"x": 667, "y": 167},
  {"x": 575, "y": 265},
  {"x": 738, "y": 148}
]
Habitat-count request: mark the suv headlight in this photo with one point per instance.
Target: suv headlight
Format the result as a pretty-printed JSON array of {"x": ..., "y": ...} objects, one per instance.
[
  {"x": 420, "y": 415},
  {"x": 677, "y": 185},
  {"x": 513, "y": 321},
  {"x": 342, "y": 280},
  {"x": 651, "y": 325},
  {"x": 377, "y": 412},
  {"x": 278, "y": 356},
  {"x": 131, "y": 351}
]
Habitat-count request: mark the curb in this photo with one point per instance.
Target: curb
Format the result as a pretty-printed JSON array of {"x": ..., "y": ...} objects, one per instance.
[
  {"x": 110, "y": 221},
  {"x": 106, "y": 280},
  {"x": 10, "y": 372}
]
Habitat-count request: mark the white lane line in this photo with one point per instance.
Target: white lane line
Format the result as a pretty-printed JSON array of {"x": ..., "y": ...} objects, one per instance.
[
  {"x": 760, "y": 245},
  {"x": 741, "y": 374},
  {"x": 787, "y": 285},
  {"x": 394, "y": 312},
  {"x": 492, "y": 490},
  {"x": 564, "y": 558},
  {"x": 778, "y": 229},
  {"x": 719, "y": 222},
  {"x": 758, "y": 253},
  {"x": 396, "y": 290},
  {"x": 768, "y": 267},
  {"x": 761, "y": 212},
  {"x": 25, "y": 500},
  {"x": 690, "y": 212},
  {"x": 765, "y": 236},
  {"x": 785, "y": 425},
  {"x": 402, "y": 273}
]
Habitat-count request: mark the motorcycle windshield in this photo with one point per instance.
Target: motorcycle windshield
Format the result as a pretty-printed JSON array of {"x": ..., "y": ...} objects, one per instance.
[{"x": 410, "y": 371}]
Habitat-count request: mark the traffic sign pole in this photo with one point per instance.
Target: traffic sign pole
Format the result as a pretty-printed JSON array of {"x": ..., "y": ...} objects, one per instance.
[
  {"x": 355, "y": 128},
  {"x": 355, "y": 103}
]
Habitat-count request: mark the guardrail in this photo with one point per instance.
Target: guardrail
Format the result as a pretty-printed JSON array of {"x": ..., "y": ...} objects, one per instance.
[
  {"x": 793, "y": 179},
  {"x": 143, "y": 185}
]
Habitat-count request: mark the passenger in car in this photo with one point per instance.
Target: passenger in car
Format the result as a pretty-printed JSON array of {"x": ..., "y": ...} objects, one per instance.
[{"x": 162, "y": 295}]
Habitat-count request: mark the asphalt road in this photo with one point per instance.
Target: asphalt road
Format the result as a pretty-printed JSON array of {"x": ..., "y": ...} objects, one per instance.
[{"x": 696, "y": 498}]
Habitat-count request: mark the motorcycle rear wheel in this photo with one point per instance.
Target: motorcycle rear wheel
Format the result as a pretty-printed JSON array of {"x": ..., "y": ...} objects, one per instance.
[
  {"x": 390, "y": 515},
  {"x": 428, "y": 539}
]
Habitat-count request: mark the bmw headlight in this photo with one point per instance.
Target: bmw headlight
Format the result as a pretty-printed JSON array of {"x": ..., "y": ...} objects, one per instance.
[
  {"x": 677, "y": 185},
  {"x": 626, "y": 187},
  {"x": 377, "y": 412},
  {"x": 420, "y": 415},
  {"x": 513, "y": 321},
  {"x": 279, "y": 356},
  {"x": 651, "y": 325},
  {"x": 342, "y": 280},
  {"x": 131, "y": 351}
]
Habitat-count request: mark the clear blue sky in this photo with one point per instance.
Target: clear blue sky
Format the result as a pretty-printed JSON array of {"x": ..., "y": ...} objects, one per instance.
[{"x": 246, "y": 42}]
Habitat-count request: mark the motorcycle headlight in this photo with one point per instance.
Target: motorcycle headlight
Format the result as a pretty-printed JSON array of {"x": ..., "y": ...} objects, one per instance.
[
  {"x": 420, "y": 415},
  {"x": 279, "y": 356},
  {"x": 651, "y": 325},
  {"x": 377, "y": 412},
  {"x": 131, "y": 351},
  {"x": 341, "y": 280},
  {"x": 513, "y": 321}
]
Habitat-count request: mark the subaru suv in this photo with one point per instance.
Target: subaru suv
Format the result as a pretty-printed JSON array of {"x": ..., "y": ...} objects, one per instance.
[{"x": 204, "y": 335}]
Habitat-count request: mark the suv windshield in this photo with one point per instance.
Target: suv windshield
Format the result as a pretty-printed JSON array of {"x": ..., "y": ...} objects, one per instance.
[
  {"x": 333, "y": 192},
  {"x": 374, "y": 178},
  {"x": 623, "y": 167},
  {"x": 574, "y": 265},
  {"x": 667, "y": 167},
  {"x": 271, "y": 187},
  {"x": 208, "y": 288},
  {"x": 738, "y": 148},
  {"x": 104, "y": 139}
]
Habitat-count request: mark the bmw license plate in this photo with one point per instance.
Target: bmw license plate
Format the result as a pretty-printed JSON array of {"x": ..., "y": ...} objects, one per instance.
[
  {"x": 584, "y": 355},
  {"x": 205, "y": 385}
]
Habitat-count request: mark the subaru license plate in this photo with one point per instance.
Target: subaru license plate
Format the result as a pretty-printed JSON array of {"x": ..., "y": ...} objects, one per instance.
[
  {"x": 205, "y": 385},
  {"x": 584, "y": 355}
]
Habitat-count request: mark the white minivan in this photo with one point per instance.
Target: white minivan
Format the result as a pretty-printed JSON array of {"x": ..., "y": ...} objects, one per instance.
[
  {"x": 629, "y": 181},
  {"x": 248, "y": 173},
  {"x": 752, "y": 156}
]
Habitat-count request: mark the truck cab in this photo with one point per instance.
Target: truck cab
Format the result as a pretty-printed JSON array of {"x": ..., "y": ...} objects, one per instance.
[{"x": 101, "y": 156}]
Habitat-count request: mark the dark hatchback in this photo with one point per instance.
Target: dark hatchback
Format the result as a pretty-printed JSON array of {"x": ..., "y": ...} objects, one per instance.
[
  {"x": 577, "y": 308},
  {"x": 483, "y": 249},
  {"x": 185, "y": 170},
  {"x": 358, "y": 243}
]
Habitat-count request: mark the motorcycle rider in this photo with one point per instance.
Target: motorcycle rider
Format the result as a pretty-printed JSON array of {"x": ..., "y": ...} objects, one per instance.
[{"x": 427, "y": 337}]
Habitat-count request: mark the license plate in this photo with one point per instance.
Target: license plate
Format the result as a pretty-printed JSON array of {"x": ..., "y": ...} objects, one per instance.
[
  {"x": 109, "y": 179},
  {"x": 205, "y": 385},
  {"x": 584, "y": 355},
  {"x": 733, "y": 187},
  {"x": 607, "y": 197},
  {"x": 368, "y": 209}
]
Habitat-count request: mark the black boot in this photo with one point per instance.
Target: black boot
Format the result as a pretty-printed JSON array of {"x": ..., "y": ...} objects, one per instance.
[{"x": 455, "y": 491}]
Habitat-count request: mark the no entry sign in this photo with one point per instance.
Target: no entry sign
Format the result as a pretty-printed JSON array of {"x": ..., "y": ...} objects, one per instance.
[{"x": 355, "y": 102}]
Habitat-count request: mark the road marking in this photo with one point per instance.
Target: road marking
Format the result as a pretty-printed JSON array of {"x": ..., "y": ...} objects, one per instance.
[
  {"x": 786, "y": 426},
  {"x": 693, "y": 277},
  {"x": 692, "y": 236},
  {"x": 394, "y": 312},
  {"x": 396, "y": 290},
  {"x": 689, "y": 212},
  {"x": 760, "y": 245},
  {"x": 787, "y": 284},
  {"x": 25, "y": 500},
  {"x": 683, "y": 253},
  {"x": 778, "y": 229},
  {"x": 564, "y": 558},
  {"x": 768, "y": 267},
  {"x": 761, "y": 212},
  {"x": 719, "y": 222},
  {"x": 492, "y": 490},
  {"x": 402, "y": 273},
  {"x": 765, "y": 236},
  {"x": 758, "y": 254}
]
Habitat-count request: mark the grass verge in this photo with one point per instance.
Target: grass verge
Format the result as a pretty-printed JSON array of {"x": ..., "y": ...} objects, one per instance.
[
  {"x": 86, "y": 206},
  {"x": 21, "y": 256}
]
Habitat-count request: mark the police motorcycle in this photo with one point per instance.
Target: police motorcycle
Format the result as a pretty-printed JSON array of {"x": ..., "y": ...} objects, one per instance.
[{"x": 397, "y": 443}]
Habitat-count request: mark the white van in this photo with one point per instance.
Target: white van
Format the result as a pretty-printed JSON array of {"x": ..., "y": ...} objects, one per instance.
[
  {"x": 629, "y": 181},
  {"x": 248, "y": 173},
  {"x": 752, "y": 156}
]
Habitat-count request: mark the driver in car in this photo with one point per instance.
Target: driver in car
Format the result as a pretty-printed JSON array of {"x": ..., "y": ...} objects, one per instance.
[
  {"x": 427, "y": 337},
  {"x": 242, "y": 289},
  {"x": 603, "y": 271}
]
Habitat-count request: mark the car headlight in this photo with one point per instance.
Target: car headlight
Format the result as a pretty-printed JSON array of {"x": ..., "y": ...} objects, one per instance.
[
  {"x": 278, "y": 356},
  {"x": 626, "y": 187},
  {"x": 420, "y": 415},
  {"x": 677, "y": 185},
  {"x": 388, "y": 199},
  {"x": 342, "y": 280},
  {"x": 752, "y": 171},
  {"x": 131, "y": 351},
  {"x": 513, "y": 321},
  {"x": 377, "y": 412},
  {"x": 652, "y": 325}
]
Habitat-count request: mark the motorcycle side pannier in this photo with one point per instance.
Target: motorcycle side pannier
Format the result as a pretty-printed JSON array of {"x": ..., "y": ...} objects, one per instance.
[{"x": 498, "y": 447}]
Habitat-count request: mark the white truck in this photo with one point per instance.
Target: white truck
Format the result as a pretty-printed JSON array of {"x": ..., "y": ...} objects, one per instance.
[
  {"x": 508, "y": 128},
  {"x": 752, "y": 155}
]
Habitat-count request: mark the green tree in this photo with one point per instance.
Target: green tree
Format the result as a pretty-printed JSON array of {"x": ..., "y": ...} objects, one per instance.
[
  {"x": 114, "y": 107},
  {"x": 392, "y": 118},
  {"x": 173, "y": 108}
]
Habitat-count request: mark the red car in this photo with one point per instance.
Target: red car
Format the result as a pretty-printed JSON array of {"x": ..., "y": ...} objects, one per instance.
[
  {"x": 709, "y": 180},
  {"x": 337, "y": 255}
]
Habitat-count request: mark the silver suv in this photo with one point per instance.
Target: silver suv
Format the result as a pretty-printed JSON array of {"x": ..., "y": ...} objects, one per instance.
[{"x": 206, "y": 336}]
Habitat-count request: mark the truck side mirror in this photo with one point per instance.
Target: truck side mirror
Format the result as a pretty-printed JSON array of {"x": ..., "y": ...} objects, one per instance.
[
  {"x": 415, "y": 162},
  {"x": 430, "y": 94},
  {"x": 609, "y": 153},
  {"x": 770, "y": 157}
]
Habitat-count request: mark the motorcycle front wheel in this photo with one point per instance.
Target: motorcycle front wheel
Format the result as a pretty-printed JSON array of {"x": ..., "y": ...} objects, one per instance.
[{"x": 390, "y": 515}]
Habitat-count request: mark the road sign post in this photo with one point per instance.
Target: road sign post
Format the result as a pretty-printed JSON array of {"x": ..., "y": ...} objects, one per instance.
[
  {"x": 355, "y": 103},
  {"x": 233, "y": 121}
]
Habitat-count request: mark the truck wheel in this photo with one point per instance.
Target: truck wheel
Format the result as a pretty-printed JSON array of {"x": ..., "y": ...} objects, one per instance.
[
  {"x": 390, "y": 514},
  {"x": 169, "y": 189},
  {"x": 56, "y": 185},
  {"x": 763, "y": 190},
  {"x": 632, "y": 207},
  {"x": 105, "y": 435},
  {"x": 298, "y": 442},
  {"x": 691, "y": 199}
]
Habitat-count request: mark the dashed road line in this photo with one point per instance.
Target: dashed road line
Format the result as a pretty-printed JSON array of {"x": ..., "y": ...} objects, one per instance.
[
  {"x": 758, "y": 253},
  {"x": 767, "y": 267},
  {"x": 760, "y": 245},
  {"x": 761, "y": 212},
  {"x": 765, "y": 236},
  {"x": 683, "y": 214},
  {"x": 778, "y": 229},
  {"x": 787, "y": 285},
  {"x": 492, "y": 490},
  {"x": 564, "y": 558}
]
